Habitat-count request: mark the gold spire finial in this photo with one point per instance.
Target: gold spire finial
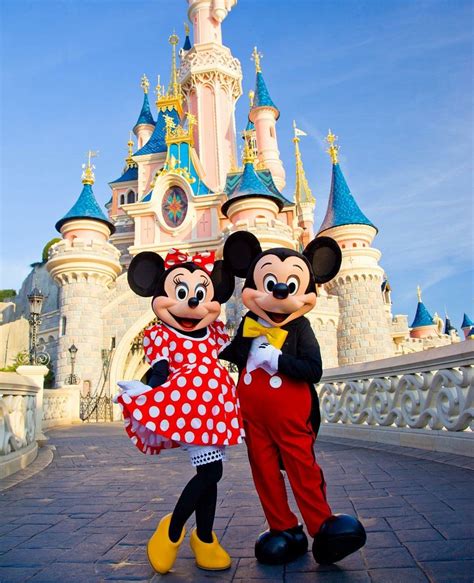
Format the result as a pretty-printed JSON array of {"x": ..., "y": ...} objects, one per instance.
[
  {"x": 251, "y": 97},
  {"x": 248, "y": 155},
  {"x": 333, "y": 149},
  {"x": 256, "y": 57},
  {"x": 88, "y": 176},
  {"x": 418, "y": 293},
  {"x": 173, "y": 88},
  {"x": 303, "y": 192},
  {"x": 186, "y": 28},
  {"x": 129, "y": 160},
  {"x": 158, "y": 88},
  {"x": 145, "y": 83}
]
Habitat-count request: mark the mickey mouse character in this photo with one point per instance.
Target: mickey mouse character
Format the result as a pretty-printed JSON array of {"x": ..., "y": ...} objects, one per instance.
[
  {"x": 279, "y": 361},
  {"x": 190, "y": 399}
]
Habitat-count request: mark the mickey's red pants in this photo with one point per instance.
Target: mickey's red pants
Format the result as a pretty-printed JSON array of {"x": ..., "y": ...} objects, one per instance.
[{"x": 276, "y": 421}]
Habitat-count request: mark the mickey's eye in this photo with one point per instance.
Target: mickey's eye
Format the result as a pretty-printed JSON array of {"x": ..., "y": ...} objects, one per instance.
[
  {"x": 293, "y": 284},
  {"x": 200, "y": 292},
  {"x": 181, "y": 292},
  {"x": 269, "y": 282}
]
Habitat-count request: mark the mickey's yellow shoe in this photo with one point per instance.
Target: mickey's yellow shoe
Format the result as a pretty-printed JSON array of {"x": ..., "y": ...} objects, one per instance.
[
  {"x": 209, "y": 556},
  {"x": 161, "y": 550}
]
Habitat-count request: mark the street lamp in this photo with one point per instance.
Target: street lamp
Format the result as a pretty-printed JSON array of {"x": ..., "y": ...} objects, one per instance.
[
  {"x": 72, "y": 379},
  {"x": 35, "y": 300}
]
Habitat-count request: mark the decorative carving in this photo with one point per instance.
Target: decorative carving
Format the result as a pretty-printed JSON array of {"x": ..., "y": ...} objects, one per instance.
[{"x": 17, "y": 422}]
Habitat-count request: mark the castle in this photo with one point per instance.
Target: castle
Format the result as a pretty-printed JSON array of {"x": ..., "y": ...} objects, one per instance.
[{"x": 182, "y": 187}]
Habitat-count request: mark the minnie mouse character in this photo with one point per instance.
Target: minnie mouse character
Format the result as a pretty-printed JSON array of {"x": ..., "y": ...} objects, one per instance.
[
  {"x": 279, "y": 362},
  {"x": 190, "y": 399}
]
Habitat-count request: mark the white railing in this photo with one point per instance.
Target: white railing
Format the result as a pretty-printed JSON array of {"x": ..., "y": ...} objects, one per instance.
[
  {"x": 431, "y": 390},
  {"x": 61, "y": 406}
]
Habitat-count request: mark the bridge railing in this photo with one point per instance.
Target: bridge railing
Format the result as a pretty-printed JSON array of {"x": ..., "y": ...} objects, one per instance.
[{"x": 418, "y": 400}]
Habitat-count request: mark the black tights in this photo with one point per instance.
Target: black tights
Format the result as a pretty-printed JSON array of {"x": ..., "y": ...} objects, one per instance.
[{"x": 200, "y": 496}]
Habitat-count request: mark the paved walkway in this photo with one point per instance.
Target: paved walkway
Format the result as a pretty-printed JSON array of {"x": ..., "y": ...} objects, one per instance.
[{"x": 88, "y": 515}]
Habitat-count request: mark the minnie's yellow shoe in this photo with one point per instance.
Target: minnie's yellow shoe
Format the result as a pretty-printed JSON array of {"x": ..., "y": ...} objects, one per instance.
[
  {"x": 209, "y": 556},
  {"x": 162, "y": 551}
]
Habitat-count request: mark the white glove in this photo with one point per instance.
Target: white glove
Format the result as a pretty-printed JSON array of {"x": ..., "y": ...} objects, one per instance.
[
  {"x": 267, "y": 357},
  {"x": 132, "y": 388}
]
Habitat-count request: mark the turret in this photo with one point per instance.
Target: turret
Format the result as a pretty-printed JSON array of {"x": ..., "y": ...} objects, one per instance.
[
  {"x": 263, "y": 115},
  {"x": 124, "y": 188},
  {"x": 467, "y": 325},
  {"x": 304, "y": 199},
  {"x": 423, "y": 325},
  {"x": 207, "y": 16},
  {"x": 145, "y": 125},
  {"x": 84, "y": 264},
  {"x": 363, "y": 328}
]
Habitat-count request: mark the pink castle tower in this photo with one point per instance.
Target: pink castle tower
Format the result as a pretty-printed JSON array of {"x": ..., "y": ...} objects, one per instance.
[{"x": 211, "y": 80}]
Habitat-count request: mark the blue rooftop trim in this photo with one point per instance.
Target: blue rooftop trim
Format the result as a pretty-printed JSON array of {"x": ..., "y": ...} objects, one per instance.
[
  {"x": 250, "y": 127},
  {"x": 342, "y": 207},
  {"x": 85, "y": 207},
  {"x": 422, "y": 317},
  {"x": 466, "y": 321},
  {"x": 130, "y": 175},
  {"x": 145, "y": 114},
  {"x": 262, "y": 96},
  {"x": 471, "y": 333},
  {"x": 157, "y": 141},
  {"x": 264, "y": 175},
  {"x": 147, "y": 197},
  {"x": 187, "y": 43}
]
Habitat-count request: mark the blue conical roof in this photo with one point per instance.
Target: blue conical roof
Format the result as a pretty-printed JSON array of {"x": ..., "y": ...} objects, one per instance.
[
  {"x": 250, "y": 126},
  {"x": 342, "y": 207},
  {"x": 466, "y": 321},
  {"x": 85, "y": 207},
  {"x": 130, "y": 175},
  {"x": 145, "y": 116},
  {"x": 422, "y": 317},
  {"x": 157, "y": 141},
  {"x": 471, "y": 333},
  {"x": 187, "y": 43},
  {"x": 262, "y": 96},
  {"x": 250, "y": 185},
  {"x": 448, "y": 326}
]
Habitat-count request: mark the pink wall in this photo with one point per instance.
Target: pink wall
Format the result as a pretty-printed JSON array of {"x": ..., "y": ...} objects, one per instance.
[
  {"x": 208, "y": 132},
  {"x": 204, "y": 224},
  {"x": 147, "y": 230}
]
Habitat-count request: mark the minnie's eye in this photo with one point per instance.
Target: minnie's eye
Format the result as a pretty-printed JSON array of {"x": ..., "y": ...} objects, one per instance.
[
  {"x": 200, "y": 292},
  {"x": 293, "y": 285},
  {"x": 181, "y": 291},
  {"x": 269, "y": 283}
]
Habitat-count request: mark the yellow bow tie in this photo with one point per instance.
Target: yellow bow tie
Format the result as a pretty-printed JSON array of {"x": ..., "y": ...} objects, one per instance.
[{"x": 275, "y": 336}]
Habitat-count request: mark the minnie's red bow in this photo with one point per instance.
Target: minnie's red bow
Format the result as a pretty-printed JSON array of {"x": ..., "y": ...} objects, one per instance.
[{"x": 205, "y": 260}]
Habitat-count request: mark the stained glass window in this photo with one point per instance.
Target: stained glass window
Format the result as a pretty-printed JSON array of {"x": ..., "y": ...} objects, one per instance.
[{"x": 175, "y": 206}]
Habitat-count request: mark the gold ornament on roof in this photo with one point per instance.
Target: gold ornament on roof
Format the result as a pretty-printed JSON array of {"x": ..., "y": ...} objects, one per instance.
[
  {"x": 248, "y": 155},
  {"x": 251, "y": 97},
  {"x": 158, "y": 88},
  {"x": 88, "y": 176},
  {"x": 145, "y": 84},
  {"x": 173, "y": 97},
  {"x": 186, "y": 28},
  {"x": 175, "y": 133},
  {"x": 303, "y": 192},
  {"x": 256, "y": 57},
  {"x": 130, "y": 163},
  {"x": 333, "y": 149}
]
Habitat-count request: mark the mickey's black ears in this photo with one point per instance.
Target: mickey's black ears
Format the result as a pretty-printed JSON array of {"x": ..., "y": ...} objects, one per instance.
[
  {"x": 240, "y": 250},
  {"x": 223, "y": 282},
  {"x": 325, "y": 257},
  {"x": 144, "y": 273}
]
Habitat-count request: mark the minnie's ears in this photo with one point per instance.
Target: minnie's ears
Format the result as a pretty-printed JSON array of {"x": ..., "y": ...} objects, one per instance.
[
  {"x": 144, "y": 273},
  {"x": 325, "y": 257},
  {"x": 240, "y": 250}
]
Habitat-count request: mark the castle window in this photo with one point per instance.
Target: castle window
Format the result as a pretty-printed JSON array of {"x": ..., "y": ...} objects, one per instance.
[
  {"x": 354, "y": 244},
  {"x": 62, "y": 326},
  {"x": 272, "y": 132},
  {"x": 130, "y": 197},
  {"x": 122, "y": 199}
]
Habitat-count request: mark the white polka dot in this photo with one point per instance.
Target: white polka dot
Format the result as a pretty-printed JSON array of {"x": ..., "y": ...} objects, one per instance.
[
  {"x": 149, "y": 350},
  {"x": 209, "y": 266},
  {"x": 202, "y": 409},
  {"x": 181, "y": 381},
  {"x": 216, "y": 410},
  {"x": 214, "y": 353},
  {"x": 189, "y": 436},
  {"x": 153, "y": 411},
  {"x": 207, "y": 396},
  {"x": 239, "y": 439},
  {"x": 180, "y": 423},
  {"x": 176, "y": 436},
  {"x": 179, "y": 357},
  {"x": 275, "y": 382},
  {"x": 169, "y": 410},
  {"x": 203, "y": 369},
  {"x": 134, "y": 440},
  {"x": 197, "y": 381},
  {"x": 221, "y": 398},
  {"x": 235, "y": 423},
  {"x": 212, "y": 342},
  {"x": 165, "y": 352},
  {"x": 188, "y": 344},
  {"x": 242, "y": 432},
  {"x": 203, "y": 347},
  {"x": 158, "y": 341},
  {"x": 186, "y": 408},
  {"x": 214, "y": 439},
  {"x": 126, "y": 398},
  {"x": 210, "y": 423},
  {"x": 137, "y": 414},
  {"x": 213, "y": 384},
  {"x": 217, "y": 372},
  {"x": 175, "y": 395},
  {"x": 141, "y": 400},
  {"x": 173, "y": 346},
  {"x": 192, "y": 357},
  {"x": 247, "y": 378},
  {"x": 192, "y": 394},
  {"x": 229, "y": 406},
  {"x": 206, "y": 360},
  {"x": 205, "y": 437},
  {"x": 166, "y": 335},
  {"x": 151, "y": 425},
  {"x": 159, "y": 396},
  {"x": 221, "y": 341},
  {"x": 225, "y": 389},
  {"x": 146, "y": 341},
  {"x": 229, "y": 434},
  {"x": 196, "y": 423},
  {"x": 164, "y": 425}
]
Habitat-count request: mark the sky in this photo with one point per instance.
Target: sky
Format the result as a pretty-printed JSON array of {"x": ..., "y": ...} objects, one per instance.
[{"x": 391, "y": 78}]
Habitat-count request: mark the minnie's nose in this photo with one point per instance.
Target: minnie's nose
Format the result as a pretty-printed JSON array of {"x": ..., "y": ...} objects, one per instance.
[
  {"x": 280, "y": 291},
  {"x": 193, "y": 302}
]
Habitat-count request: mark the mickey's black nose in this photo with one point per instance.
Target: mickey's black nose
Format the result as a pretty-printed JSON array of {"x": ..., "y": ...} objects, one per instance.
[
  {"x": 193, "y": 302},
  {"x": 280, "y": 291}
]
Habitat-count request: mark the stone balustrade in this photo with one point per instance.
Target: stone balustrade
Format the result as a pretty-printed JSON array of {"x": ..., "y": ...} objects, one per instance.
[
  {"x": 61, "y": 406},
  {"x": 419, "y": 400}
]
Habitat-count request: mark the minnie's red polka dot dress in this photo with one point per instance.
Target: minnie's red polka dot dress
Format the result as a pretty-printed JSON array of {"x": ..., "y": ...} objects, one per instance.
[{"x": 196, "y": 406}]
